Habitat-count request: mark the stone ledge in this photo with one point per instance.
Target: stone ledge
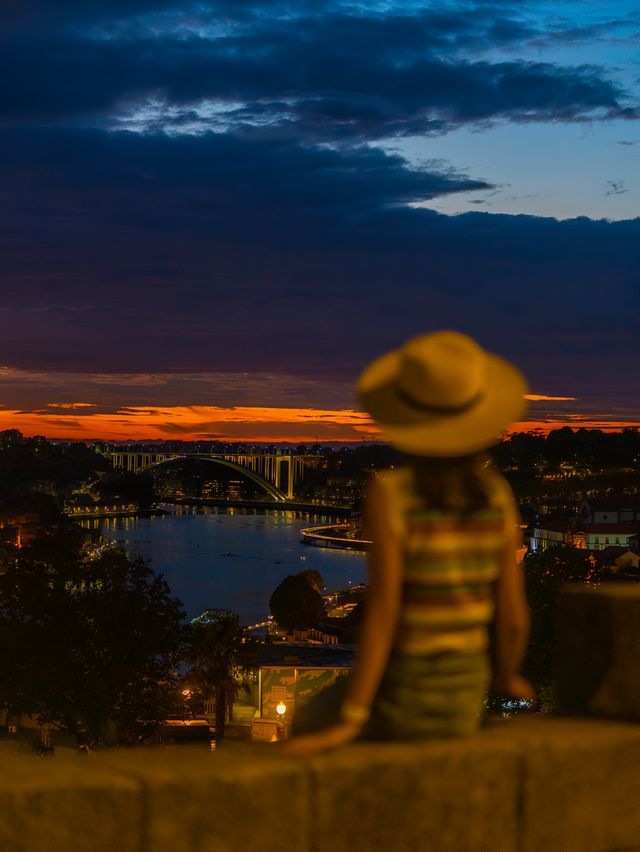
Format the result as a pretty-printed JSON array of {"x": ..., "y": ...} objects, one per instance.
[
  {"x": 579, "y": 785},
  {"x": 523, "y": 785},
  {"x": 66, "y": 803},
  {"x": 597, "y": 650},
  {"x": 447, "y": 796},
  {"x": 238, "y": 799}
]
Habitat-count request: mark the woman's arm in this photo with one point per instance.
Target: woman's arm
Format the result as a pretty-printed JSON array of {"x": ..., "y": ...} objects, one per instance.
[
  {"x": 384, "y": 597},
  {"x": 512, "y": 619},
  {"x": 377, "y": 630}
]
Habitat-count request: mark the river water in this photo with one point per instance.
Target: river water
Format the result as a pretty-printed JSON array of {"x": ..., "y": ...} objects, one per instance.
[{"x": 226, "y": 558}]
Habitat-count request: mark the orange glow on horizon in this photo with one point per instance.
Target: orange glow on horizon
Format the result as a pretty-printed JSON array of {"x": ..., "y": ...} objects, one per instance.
[
  {"x": 573, "y": 422},
  {"x": 242, "y": 423},
  {"x": 538, "y": 397}
]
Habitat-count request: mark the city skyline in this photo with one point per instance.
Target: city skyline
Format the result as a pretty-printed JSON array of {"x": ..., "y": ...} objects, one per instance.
[{"x": 216, "y": 213}]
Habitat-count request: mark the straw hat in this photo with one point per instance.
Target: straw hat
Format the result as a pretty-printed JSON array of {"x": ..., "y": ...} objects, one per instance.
[{"x": 442, "y": 395}]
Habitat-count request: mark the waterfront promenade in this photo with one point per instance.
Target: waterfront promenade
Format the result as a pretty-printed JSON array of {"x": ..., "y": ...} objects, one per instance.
[{"x": 334, "y": 535}]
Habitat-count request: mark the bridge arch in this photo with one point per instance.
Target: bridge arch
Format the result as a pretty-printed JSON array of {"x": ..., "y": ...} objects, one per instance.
[{"x": 267, "y": 486}]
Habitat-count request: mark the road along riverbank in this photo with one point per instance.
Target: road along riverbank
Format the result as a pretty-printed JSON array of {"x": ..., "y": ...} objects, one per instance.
[{"x": 334, "y": 535}]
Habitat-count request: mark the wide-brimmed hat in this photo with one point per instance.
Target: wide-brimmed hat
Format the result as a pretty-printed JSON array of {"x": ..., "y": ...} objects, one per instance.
[{"x": 441, "y": 394}]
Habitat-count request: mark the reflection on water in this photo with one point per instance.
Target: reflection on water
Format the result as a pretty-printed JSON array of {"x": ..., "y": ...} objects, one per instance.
[{"x": 231, "y": 558}]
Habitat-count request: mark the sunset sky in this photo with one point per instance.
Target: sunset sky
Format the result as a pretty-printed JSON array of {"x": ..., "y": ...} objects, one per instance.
[{"x": 214, "y": 214}]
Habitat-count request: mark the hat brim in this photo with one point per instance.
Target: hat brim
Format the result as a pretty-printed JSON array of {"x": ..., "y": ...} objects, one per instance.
[{"x": 424, "y": 433}]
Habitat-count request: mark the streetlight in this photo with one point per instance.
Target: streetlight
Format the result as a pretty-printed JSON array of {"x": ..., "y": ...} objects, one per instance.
[
  {"x": 187, "y": 694},
  {"x": 281, "y": 709}
]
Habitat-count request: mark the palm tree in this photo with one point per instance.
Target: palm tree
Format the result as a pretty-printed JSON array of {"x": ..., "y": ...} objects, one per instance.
[{"x": 214, "y": 644}]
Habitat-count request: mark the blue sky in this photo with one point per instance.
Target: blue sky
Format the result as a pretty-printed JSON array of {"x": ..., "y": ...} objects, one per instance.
[
  {"x": 537, "y": 163},
  {"x": 554, "y": 168},
  {"x": 241, "y": 202}
]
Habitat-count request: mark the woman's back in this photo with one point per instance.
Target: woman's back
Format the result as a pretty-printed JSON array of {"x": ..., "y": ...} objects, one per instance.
[
  {"x": 451, "y": 558},
  {"x": 451, "y": 561}
]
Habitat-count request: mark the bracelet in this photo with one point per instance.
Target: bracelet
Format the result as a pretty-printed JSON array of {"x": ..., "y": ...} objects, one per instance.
[{"x": 354, "y": 714}]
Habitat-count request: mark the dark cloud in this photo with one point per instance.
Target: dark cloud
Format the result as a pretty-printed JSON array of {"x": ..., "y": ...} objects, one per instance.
[
  {"x": 66, "y": 423},
  {"x": 616, "y": 187},
  {"x": 265, "y": 430},
  {"x": 164, "y": 230},
  {"x": 607, "y": 29},
  {"x": 326, "y": 76},
  {"x": 65, "y": 163},
  {"x": 284, "y": 242},
  {"x": 43, "y": 15},
  {"x": 228, "y": 254},
  {"x": 29, "y": 392}
]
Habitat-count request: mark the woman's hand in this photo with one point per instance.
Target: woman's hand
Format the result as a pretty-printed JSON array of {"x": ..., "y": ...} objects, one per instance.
[
  {"x": 326, "y": 740},
  {"x": 516, "y": 686}
]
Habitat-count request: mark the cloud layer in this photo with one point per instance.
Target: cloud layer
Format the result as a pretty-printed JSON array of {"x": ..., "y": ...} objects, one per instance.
[{"x": 208, "y": 195}]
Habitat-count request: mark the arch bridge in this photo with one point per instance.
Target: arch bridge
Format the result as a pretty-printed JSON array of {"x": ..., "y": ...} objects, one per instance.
[{"x": 277, "y": 473}]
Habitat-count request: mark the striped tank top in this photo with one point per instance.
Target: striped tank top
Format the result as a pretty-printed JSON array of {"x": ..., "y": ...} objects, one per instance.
[{"x": 451, "y": 562}]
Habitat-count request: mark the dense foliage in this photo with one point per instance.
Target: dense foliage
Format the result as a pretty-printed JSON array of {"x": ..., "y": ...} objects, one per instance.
[
  {"x": 545, "y": 574},
  {"x": 590, "y": 449},
  {"x": 214, "y": 651},
  {"x": 89, "y": 639},
  {"x": 24, "y": 460},
  {"x": 125, "y": 487},
  {"x": 296, "y": 603}
]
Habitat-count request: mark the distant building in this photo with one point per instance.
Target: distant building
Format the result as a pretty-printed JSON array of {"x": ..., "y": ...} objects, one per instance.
[
  {"x": 583, "y": 535},
  {"x": 289, "y": 680},
  {"x": 170, "y": 488},
  {"x": 624, "y": 509},
  {"x": 340, "y": 490},
  {"x": 549, "y": 531},
  {"x": 313, "y": 635},
  {"x": 235, "y": 489},
  {"x": 212, "y": 489},
  {"x": 601, "y": 535}
]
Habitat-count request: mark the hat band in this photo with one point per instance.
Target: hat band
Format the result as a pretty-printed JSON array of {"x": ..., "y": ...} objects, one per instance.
[{"x": 439, "y": 409}]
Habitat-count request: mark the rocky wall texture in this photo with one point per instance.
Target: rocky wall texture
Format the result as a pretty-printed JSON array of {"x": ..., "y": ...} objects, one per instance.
[{"x": 526, "y": 784}]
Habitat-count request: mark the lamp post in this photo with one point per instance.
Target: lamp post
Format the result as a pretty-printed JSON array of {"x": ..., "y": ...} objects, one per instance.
[
  {"x": 281, "y": 709},
  {"x": 188, "y": 707}
]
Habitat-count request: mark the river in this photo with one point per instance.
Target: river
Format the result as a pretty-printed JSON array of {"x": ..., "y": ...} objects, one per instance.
[{"x": 227, "y": 558}]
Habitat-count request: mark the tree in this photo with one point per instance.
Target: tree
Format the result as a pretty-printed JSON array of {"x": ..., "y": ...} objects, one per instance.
[
  {"x": 125, "y": 487},
  {"x": 213, "y": 646},
  {"x": 297, "y": 603},
  {"x": 545, "y": 573},
  {"x": 25, "y": 460},
  {"x": 89, "y": 639}
]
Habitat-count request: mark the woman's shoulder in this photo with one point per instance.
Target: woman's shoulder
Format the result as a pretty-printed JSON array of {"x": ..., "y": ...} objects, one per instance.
[
  {"x": 390, "y": 489},
  {"x": 498, "y": 488}
]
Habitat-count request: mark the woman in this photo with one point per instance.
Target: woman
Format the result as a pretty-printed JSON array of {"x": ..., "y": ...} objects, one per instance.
[{"x": 442, "y": 567}]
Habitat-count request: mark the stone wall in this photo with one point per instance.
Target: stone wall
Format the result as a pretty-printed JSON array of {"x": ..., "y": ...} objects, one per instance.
[{"x": 525, "y": 784}]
